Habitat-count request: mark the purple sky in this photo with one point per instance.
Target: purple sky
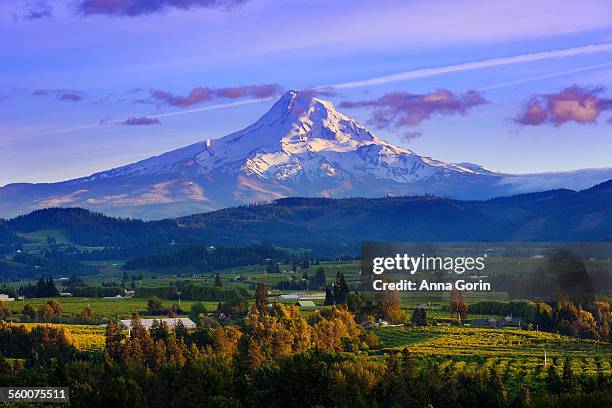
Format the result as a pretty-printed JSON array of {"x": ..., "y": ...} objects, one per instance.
[{"x": 518, "y": 86}]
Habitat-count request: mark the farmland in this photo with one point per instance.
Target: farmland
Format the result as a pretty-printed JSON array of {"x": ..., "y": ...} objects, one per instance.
[
  {"x": 470, "y": 342},
  {"x": 83, "y": 337},
  {"x": 105, "y": 308}
]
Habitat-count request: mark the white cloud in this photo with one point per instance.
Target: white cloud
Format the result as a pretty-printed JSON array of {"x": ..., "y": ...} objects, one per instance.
[{"x": 469, "y": 66}]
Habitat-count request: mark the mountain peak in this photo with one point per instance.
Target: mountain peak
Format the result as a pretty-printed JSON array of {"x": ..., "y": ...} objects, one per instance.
[
  {"x": 299, "y": 122},
  {"x": 302, "y": 98},
  {"x": 299, "y": 106}
]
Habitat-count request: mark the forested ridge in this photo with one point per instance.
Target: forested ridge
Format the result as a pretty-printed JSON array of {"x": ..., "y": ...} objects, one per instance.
[{"x": 555, "y": 215}]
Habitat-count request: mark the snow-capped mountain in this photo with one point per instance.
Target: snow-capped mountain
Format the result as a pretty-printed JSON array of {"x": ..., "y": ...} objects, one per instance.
[{"x": 301, "y": 147}]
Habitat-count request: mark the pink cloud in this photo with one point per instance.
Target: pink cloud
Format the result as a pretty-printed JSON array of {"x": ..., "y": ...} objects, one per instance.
[
  {"x": 73, "y": 97},
  {"x": 409, "y": 136},
  {"x": 141, "y": 121},
  {"x": 196, "y": 96},
  {"x": 204, "y": 94},
  {"x": 61, "y": 94},
  {"x": 397, "y": 110},
  {"x": 37, "y": 10},
  {"x": 572, "y": 104},
  {"x": 134, "y": 8}
]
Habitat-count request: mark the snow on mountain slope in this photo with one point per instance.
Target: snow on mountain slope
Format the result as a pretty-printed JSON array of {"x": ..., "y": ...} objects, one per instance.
[{"x": 301, "y": 147}]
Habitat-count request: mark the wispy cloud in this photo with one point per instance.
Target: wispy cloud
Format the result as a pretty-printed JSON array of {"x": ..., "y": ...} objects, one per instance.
[
  {"x": 543, "y": 77},
  {"x": 109, "y": 121},
  {"x": 70, "y": 96},
  {"x": 468, "y": 66},
  {"x": 35, "y": 10},
  {"x": 574, "y": 104},
  {"x": 142, "y": 121},
  {"x": 135, "y": 8},
  {"x": 205, "y": 94},
  {"x": 61, "y": 94},
  {"x": 399, "y": 110}
]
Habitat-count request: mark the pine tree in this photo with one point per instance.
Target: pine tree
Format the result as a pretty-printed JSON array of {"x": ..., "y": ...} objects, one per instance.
[
  {"x": 113, "y": 338},
  {"x": 553, "y": 382},
  {"x": 329, "y": 297},
  {"x": 569, "y": 383},
  {"x": 340, "y": 289},
  {"x": 319, "y": 279},
  {"x": 408, "y": 364},
  {"x": 419, "y": 317},
  {"x": 261, "y": 297},
  {"x": 218, "y": 282},
  {"x": 272, "y": 267}
]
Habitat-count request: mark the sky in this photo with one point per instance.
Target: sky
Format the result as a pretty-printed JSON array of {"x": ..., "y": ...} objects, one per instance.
[{"x": 87, "y": 85}]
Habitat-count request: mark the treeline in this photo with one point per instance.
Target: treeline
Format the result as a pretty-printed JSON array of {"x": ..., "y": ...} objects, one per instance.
[
  {"x": 566, "y": 317},
  {"x": 277, "y": 358},
  {"x": 49, "y": 263},
  {"x": 43, "y": 288},
  {"x": 38, "y": 345},
  {"x": 9, "y": 241},
  {"x": 95, "y": 291},
  {"x": 316, "y": 282},
  {"x": 192, "y": 292},
  {"x": 90, "y": 228},
  {"x": 205, "y": 259},
  {"x": 49, "y": 312}
]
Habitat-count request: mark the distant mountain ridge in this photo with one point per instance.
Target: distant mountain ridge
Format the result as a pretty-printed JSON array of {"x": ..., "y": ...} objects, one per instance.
[
  {"x": 301, "y": 147},
  {"x": 340, "y": 225}
]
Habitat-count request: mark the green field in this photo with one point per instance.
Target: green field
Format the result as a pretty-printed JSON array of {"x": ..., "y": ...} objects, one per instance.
[{"x": 106, "y": 308}]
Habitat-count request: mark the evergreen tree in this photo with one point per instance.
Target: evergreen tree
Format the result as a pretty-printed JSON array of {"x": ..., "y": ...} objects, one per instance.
[
  {"x": 318, "y": 281},
  {"x": 408, "y": 364},
  {"x": 553, "y": 382},
  {"x": 272, "y": 267},
  {"x": 419, "y": 317},
  {"x": 261, "y": 297},
  {"x": 218, "y": 282},
  {"x": 569, "y": 383},
  {"x": 340, "y": 289},
  {"x": 329, "y": 297}
]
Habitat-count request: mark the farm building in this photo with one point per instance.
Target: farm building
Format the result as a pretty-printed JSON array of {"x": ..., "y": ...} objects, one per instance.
[
  {"x": 302, "y": 296},
  {"x": 171, "y": 322},
  {"x": 492, "y": 322},
  {"x": 305, "y": 303},
  {"x": 5, "y": 298}
]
